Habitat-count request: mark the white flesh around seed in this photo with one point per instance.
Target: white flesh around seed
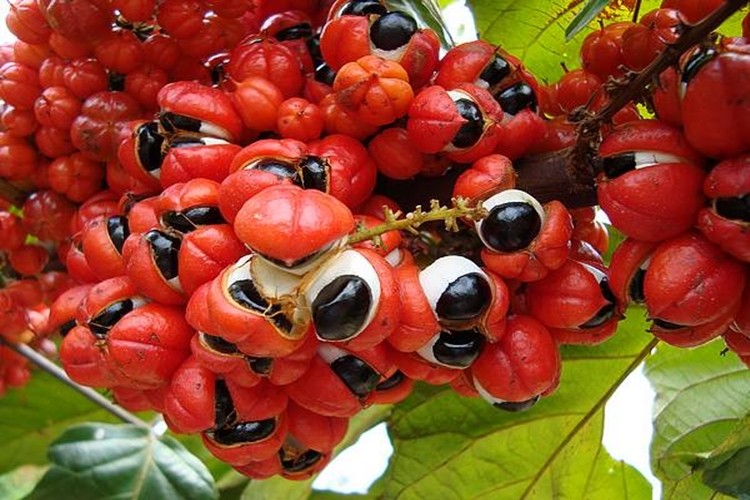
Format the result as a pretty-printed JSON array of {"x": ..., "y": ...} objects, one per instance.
[
  {"x": 427, "y": 353},
  {"x": 239, "y": 271},
  {"x": 598, "y": 274},
  {"x": 349, "y": 262},
  {"x": 436, "y": 277},
  {"x": 330, "y": 353},
  {"x": 645, "y": 159},
  {"x": 271, "y": 281},
  {"x": 486, "y": 395},
  {"x": 214, "y": 131},
  {"x": 394, "y": 257},
  {"x": 509, "y": 196}
]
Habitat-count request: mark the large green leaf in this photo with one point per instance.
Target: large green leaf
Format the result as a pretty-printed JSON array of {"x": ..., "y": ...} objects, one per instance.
[
  {"x": 701, "y": 397},
  {"x": 446, "y": 446},
  {"x": 728, "y": 468},
  {"x": 18, "y": 483},
  {"x": 122, "y": 461},
  {"x": 31, "y": 418}
]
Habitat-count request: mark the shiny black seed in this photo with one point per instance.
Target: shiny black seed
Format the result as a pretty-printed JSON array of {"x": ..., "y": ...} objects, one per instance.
[
  {"x": 458, "y": 348},
  {"x": 247, "y": 295},
  {"x": 325, "y": 74},
  {"x": 496, "y": 71},
  {"x": 165, "y": 249},
  {"x": 356, "y": 374},
  {"x": 189, "y": 219},
  {"x": 173, "y": 122},
  {"x": 297, "y": 32},
  {"x": 737, "y": 208},
  {"x": 116, "y": 81},
  {"x": 635, "y": 290},
  {"x": 511, "y": 226},
  {"x": 363, "y": 8},
  {"x": 280, "y": 168},
  {"x": 244, "y": 432},
  {"x": 465, "y": 298},
  {"x": 392, "y": 30},
  {"x": 666, "y": 325},
  {"x": 218, "y": 344},
  {"x": 299, "y": 462},
  {"x": 341, "y": 308},
  {"x": 313, "y": 45},
  {"x": 148, "y": 146},
  {"x": 218, "y": 73},
  {"x": 695, "y": 63},
  {"x": 225, "y": 413},
  {"x": 66, "y": 327},
  {"x": 315, "y": 172},
  {"x": 607, "y": 312},
  {"x": 107, "y": 317},
  {"x": 394, "y": 380},
  {"x": 517, "y": 406},
  {"x": 261, "y": 366},
  {"x": 516, "y": 98},
  {"x": 118, "y": 230},
  {"x": 615, "y": 166},
  {"x": 471, "y": 131}
]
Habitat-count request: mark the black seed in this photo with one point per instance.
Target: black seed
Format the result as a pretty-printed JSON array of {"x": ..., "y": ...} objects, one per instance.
[
  {"x": 394, "y": 380},
  {"x": 148, "y": 146},
  {"x": 511, "y": 226},
  {"x": 363, "y": 8},
  {"x": 219, "y": 345},
  {"x": 635, "y": 290},
  {"x": 356, "y": 374},
  {"x": 471, "y": 131},
  {"x": 315, "y": 173},
  {"x": 173, "y": 122},
  {"x": 313, "y": 45},
  {"x": 517, "y": 406},
  {"x": 615, "y": 166},
  {"x": 607, "y": 312},
  {"x": 465, "y": 298},
  {"x": 107, "y": 317},
  {"x": 66, "y": 327},
  {"x": 280, "y": 168},
  {"x": 297, "y": 32},
  {"x": 247, "y": 295},
  {"x": 116, "y": 81},
  {"x": 189, "y": 219},
  {"x": 341, "y": 308},
  {"x": 325, "y": 74},
  {"x": 737, "y": 208},
  {"x": 165, "y": 249},
  {"x": 244, "y": 432},
  {"x": 392, "y": 30},
  {"x": 218, "y": 73},
  {"x": 695, "y": 63},
  {"x": 496, "y": 71},
  {"x": 516, "y": 98},
  {"x": 666, "y": 325},
  {"x": 458, "y": 348},
  {"x": 185, "y": 141},
  {"x": 298, "y": 462},
  {"x": 118, "y": 230},
  {"x": 225, "y": 413},
  {"x": 261, "y": 366}
]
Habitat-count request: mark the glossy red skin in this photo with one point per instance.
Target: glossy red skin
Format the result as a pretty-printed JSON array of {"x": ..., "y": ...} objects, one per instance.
[
  {"x": 601, "y": 52},
  {"x": 26, "y": 21},
  {"x": 523, "y": 364},
  {"x": 643, "y": 42},
  {"x": 741, "y": 322},
  {"x": 144, "y": 84},
  {"x": 104, "y": 259},
  {"x": 84, "y": 360},
  {"x": 716, "y": 104},
  {"x": 133, "y": 400},
  {"x": 102, "y": 203},
  {"x": 253, "y": 332},
  {"x": 18, "y": 122},
  {"x": 257, "y": 100},
  {"x": 339, "y": 120},
  {"x": 142, "y": 216},
  {"x": 586, "y": 228},
  {"x": 690, "y": 281},
  {"x": 65, "y": 306},
  {"x": 738, "y": 343},
  {"x": 182, "y": 164},
  {"x": 486, "y": 176},
  {"x": 181, "y": 18},
  {"x": 19, "y": 85},
  {"x": 200, "y": 192},
  {"x": 416, "y": 367},
  {"x": 14, "y": 319},
  {"x": 80, "y": 19},
  {"x": 26, "y": 292},
  {"x": 352, "y": 174},
  {"x": 189, "y": 401},
  {"x": 140, "y": 266},
  {"x": 99, "y": 129},
  {"x": 650, "y": 135},
  {"x": 76, "y": 264},
  {"x": 119, "y": 51},
  {"x": 520, "y": 134},
  {"x": 242, "y": 185},
  {"x": 417, "y": 321},
  {"x": 11, "y": 227},
  {"x": 148, "y": 344},
  {"x": 30, "y": 55},
  {"x": 394, "y": 155},
  {"x": 69, "y": 48},
  {"x": 666, "y": 98},
  {"x": 268, "y": 221},
  {"x": 76, "y": 176},
  {"x": 693, "y": 10},
  {"x": 135, "y": 10},
  {"x": 204, "y": 253},
  {"x": 626, "y": 259},
  {"x": 18, "y": 158},
  {"x": 300, "y": 119},
  {"x": 290, "y": 150},
  {"x": 198, "y": 101},
  {"x": 53, "y": 142},
  {"x": 548, "y": 251},
  {"x": 104, "y": 293},
  {"x": 232, "y": 367},
  {"x": 270, "y": 59},
  {"x": 161, "y": 50},
  {"x": 692, "y": 336},
  {"x": 85, "y": 77},
  {"x": 28, "y": 260},
  {"x": 57, "y": 107},
  {"x": 244, "y": 454},
  {"x": 127, "y": 156},
  {"x": 315, "y": 431},
  {"x": 47, "y": 215},
  {"x": 728, "y": 179},
  {"x": 345, "y": 39}
]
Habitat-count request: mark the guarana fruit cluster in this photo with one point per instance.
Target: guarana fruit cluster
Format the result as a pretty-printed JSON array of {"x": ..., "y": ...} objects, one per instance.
[{"x": 207, "y": 173}]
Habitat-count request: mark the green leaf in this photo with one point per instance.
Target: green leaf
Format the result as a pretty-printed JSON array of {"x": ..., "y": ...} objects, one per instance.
[
  {"x": 31, "y": 418},
  {"x": 122, "y": 461},
  {"x": 447, "y": 446},
  {"x": 701, "y": 396},
  {"x": 18, "y": 483},
  {"x": 728, "y": 468},
  {"x": 592, "y": 9}
]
